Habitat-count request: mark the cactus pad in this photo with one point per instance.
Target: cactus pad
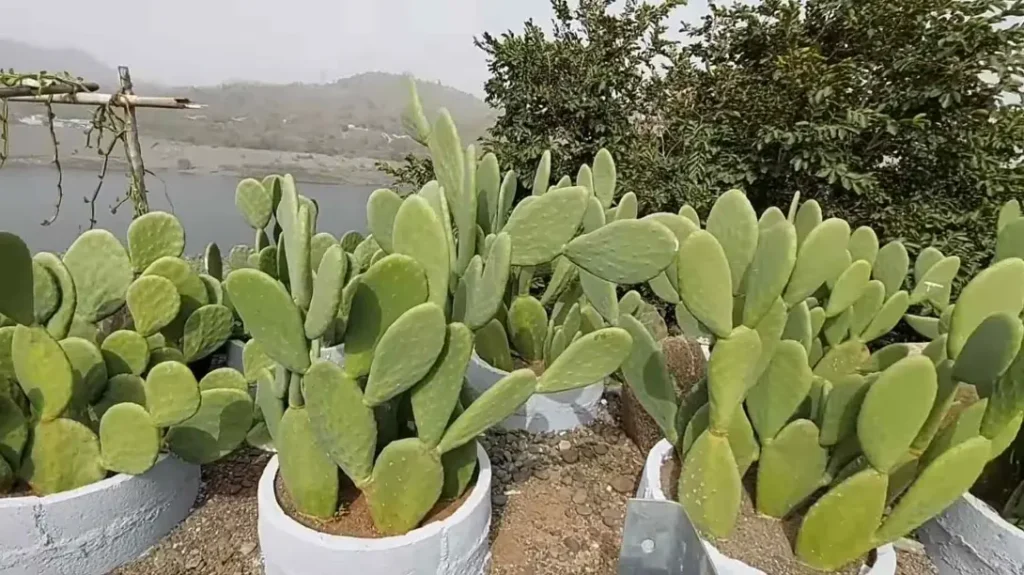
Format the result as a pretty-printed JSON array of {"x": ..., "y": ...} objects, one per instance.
[
  {"x": 16, "y": 291},
  {"x": 936, "y": 284},
  {"x": 125, "y": 351},
  {"x": 224, "y": 378},
  {"x": 527, "y": 322},
  {"x": 255, "y": 202},
  {"x": 886, "y": 319},
  {"x": 493, "y": 406},
  {"x": 13, "y": 431},
  {"x": 769, "y": 271},
  {"x": 999, "y": 288},
  {"x": 152, "y": 236},
  {"x": 172, "y": 394},
  {"x": 807, "y": 218},
  {"x": 790, "y": 469},
  {"x": 989, "y": 351},
  {"x": 46, "y": 293},
  {"x": 120, "y": 389},
  {"x": 601, "y": 294},
  {"x": 894, "y": 410},
  {"x": 381, "y": 209},
  {"x": 88, "y": 367},
  {"x": 344, "y": 427},
  {"x": 709, "y": 485},
  {"x": 270, "y": 316},
  {"x": 405, "y": 353},
  {"x": 435, "y": 396},
  {"x": 834, "y": 532},
  {"x": 43, "y": 371},
  {"x": 216, "y": 429},
  {"x": 212, "y": 261},
  {"x": 62, "y": 455},
  {"x": 190, "y": 287},
  {"x": 102, "y": 272},
  {"x": 540, "y": 229},
  {"x": 254, "y": 360},
  {"x": 780, "y": 390},
  {"x": 154, "y": 302},
  {"x": 129, "y": 440},
  {"x": 891, "y": 266},
  {"x": 848, "y": 288},
  {"x": 327, "y": 288},
  {"x": 60, "y": 322},
  {"x": 485, "y": 291},
  {"x": 733, "y": 222},
  {"x": 821, "y": 250},
  {"x": 624, "y": 251},
  {"x": 309, "y": 475},
  {"x": 407, "y": 482},
  {"x": 206, "y": 330},
  {"x": 705, "y": 282},
  {"x": 732, "y": 361},
  {"x": 589, "y": 359},
  {"x": 841, "y": 360},
  {"x": 863, "y": 245},
  {"x": 842, "y": 406}
]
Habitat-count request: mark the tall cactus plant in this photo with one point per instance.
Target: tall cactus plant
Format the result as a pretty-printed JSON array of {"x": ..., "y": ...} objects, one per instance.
[
  {"x": 868, "y": 428},
  {"x": 74, "y": 408}
]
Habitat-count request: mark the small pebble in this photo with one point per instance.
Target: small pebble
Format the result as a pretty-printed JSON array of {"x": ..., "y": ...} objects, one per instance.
[
  {"x": 587, "y": 451},
  {"x": 600, "y": 448},
  {"x": 571, "y": 455},
  {"x": 500, "y": 499},
  {"x": 566, "y": 480},
  {"x": 571, "y": 544},
  {"x": 246, "y": 548},
  {"x": 541, "y": 473},
  {"x": 564, "y": 445},
  {"x": 521, "y": 475},
  {"x": 622, "y": 483},
  {"x": 584, "y": 510},
  {"x": 579, "y": 496}
]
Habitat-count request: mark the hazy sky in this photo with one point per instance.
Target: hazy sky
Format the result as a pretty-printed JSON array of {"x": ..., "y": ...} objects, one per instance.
[{"x": 210, "y": 41}]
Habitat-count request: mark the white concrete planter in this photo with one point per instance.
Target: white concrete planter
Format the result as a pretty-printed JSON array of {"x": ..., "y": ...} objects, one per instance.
[
  {"x": 234, "y": 348},
  {"x": 541, "y": 413},
  {"x": 650, "y": 488},
  {"x": 457, "y": 545},
  {"x": 970, "y": 538},
  {"x": 99, "y": 527}
]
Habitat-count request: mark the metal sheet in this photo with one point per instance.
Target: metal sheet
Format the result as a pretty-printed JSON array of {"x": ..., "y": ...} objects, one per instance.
[{"x": 659, "y": 539}]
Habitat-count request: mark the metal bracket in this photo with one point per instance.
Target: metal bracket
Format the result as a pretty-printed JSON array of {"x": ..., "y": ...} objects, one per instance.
[{"x": 659, "y": 539}]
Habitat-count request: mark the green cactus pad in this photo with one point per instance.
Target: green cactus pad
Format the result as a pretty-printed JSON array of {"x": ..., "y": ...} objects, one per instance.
[
  {"x": 16, "y": 291},
  {"x": 459, "y": 466},
  {"x": 492, "y": 346},
  {"x": 435, "y": 396},
  {"x": 936, "y": 284},
  {"x": 894, "y": 410},
  {"x": 344, "y": 426},
  {"x": 887, "y": 318},
  {"x": 1003, "y": 438},
  {"x": 808, "y": 217},
  {"x": 936, "y": 488},
  {"x": 255, "y": 202},
  {"x": 486, "y": 291},
  {"x": 848, "y": 288},
  {"x": 60, "y": 321},
  {"x": 238, "y": 257},
  {"x": 769, "y": 329},
  {"x": 1009, "y": 212},
  {"x": 406, "y": 352},
  {"x": 125, "y": 351},
  {"x": 733, "y": 222},
  {"x": 153, "y": 236},
  {"x": 129, "y": 440},
  {"x": 153, "y": 302},
  {"x": 604, "y": 177},
  {"x": 327, "y": 290},
  {"x": 418, "y": 233},
  {"x": 270, "y": 406},
  {"x": 102, "y": 272},
  {"x": 318, "y": 246},
  {"x": 818, "y": 320},
  {"x": 867, "y": 307},
  {"x": 62, "y": 455},
  {"x": 350, "y": 240},
  {"x": 627, "y": 208},
  {"x": 863, "y": 245},
  {"x": 213, "y": 264},
  {"x": 790, "y": 469},
  {"x": 310, "y": 477},
  {"x": 540, "y": 229},
  {"x": 527, "y": 322},
  {"x": 798, "y": 326},
  {"x": 506, "y": 195},
  {"x": 172, "y": 393},
  {"x": 709, "y": 485},
  {"x": 1006, "y": 399},
  {"x": 927, "y": 327},
  {"x": 885, "y": 357},
  {"x": 1010, "y": 240},
  {"x": 381, "y": 209},
  {"x": 769, "y": 271},
  {"x": 780, "y": 390},
  {"x": 891, "y": 266},
  {"x": 705, "y": 282},
  {"x": 492, "y": 407},
  {"x": 928, "y": 257},
  {"x": 601, "y": 294},
  {"x": 120, "y": 389},
  {"x": 837, "y": 328},
  {"x": 254, "y": 359},
  {"x": 162, "y": 354},
  {"x": 223, "y": 378},
  {"x": 297, "y": 252},
  {"x": 745, "y": 448},
  {"x": 489, "y": 190},
  {"x": 589, "y": 359},
  {"x": 190, "y": 286},
  {"x": 730, "y": 366},
  {"x": 689, "y": 213},
  {"x": 989, "y": 351},
  {"x": 841, "y": 408},
  {"x": 88, "y": 368},
  {"x": 769, "y": 218},
  {"x": 624, "y": 251},
  {"x": 43, "y": 371},
  {"x": 841, "y": 360},
  {"x": 46, "y": 293},
  {"x": 834, "y": 532},
  {"x": 820, "y": 257},
  {"x": 270, "y": 316},
  {"x": 13, "y": 432},
  {"x": 220, "y": 425},
  {"x": 944, "y": 397},
  {"x": 407, "y": 482},
  {"x": 999, "y": 288}
]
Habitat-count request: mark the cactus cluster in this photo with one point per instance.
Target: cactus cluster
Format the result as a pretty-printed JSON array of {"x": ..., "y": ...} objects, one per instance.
[
  {"x": 77, "y": 402},
  {"x": 791, "y": 302}
]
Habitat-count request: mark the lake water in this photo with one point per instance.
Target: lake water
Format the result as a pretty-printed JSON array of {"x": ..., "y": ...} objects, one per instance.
[{"x": 205, "y": 204}]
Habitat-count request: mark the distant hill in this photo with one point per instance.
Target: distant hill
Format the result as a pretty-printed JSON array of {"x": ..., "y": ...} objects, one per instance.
[{"x": 359, "y": 116}]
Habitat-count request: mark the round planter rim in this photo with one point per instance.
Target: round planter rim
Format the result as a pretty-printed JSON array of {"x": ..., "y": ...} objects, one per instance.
[
  {"x": 268, "y": 504},
  {"x": 991, "y": 514}
]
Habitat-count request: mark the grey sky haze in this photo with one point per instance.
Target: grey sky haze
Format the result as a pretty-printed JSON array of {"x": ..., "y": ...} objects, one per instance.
[{"x": 212, "y": 41}]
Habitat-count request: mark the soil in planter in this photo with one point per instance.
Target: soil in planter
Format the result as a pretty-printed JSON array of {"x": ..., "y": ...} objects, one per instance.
[
  {"x": 767, "y": 543},
  {"x": 353, "y": 517}
]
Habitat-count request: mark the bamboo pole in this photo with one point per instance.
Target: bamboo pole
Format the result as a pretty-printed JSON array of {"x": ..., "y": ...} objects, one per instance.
[
  {"x": 98, "y": 99},
  {"x": 29, "y": 90},
  {"x": 133, "y": 149}
]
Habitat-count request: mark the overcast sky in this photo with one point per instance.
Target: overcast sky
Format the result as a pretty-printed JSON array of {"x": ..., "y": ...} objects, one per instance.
[{"x": 211, "y": 41}]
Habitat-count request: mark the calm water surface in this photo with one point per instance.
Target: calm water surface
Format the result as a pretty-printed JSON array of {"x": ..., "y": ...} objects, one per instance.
[{"x": 205, "y": 204}]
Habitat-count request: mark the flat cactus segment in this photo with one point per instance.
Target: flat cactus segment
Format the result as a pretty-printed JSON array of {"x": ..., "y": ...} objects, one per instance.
[
  {"x": 17, "y": 289},
  {"x": 310, "y": 477},
  {"x": 102, "y": 272},
  {"x": 492, "y": 407},
  {"x": 213, "y": 263},
  {"x": 709, "y": 485},
  {"x": 318, "y": 246},
  {"x": 6, "y": 357},
  {"x": 867, "y": 307},
  {"x": 798, "y": 326},
  {"x": 770, "y": 330},
  {"x": 13, "y": 432},
  {"x": 350, "y": 240},
  {"x": 60, "y": 322},
  {"x": 808, "y": 217},
  {"x": 846, "y": 260},
  {"x": 585, "y": 178},
  {"x": 172, "y": 393},
  {"x": 705, "y": 282},
  {"x": 343, "y": 425},
  {"x": 691, "y": 214},
  {"x": 46, "y": 293},
  {"x": 486, "y": 293},
  {"x": 894, "y": 410},
  {"x": 125, "y": 351},
  {"x": 88, "y": 368},
  {"x": 122, "y": 388},
  {"x": 999, "y": 288},
  {"x": 327, "y": 289},
  {"x": 154, "y": 302},
  {"x": 928, "y": 257},
  {"x": 224, "y": 378},
  {"x": 790, "y": 469},
  {"x": 927, "y": 327},
  {"x": 153, "y": 236},
  {"x": 1003, "y": 438},
  {"x": 297, "y": 252},
  {"x": 848, "y": 288},
  {"x": 271, "y": 408},
  {"x": 588, "y": 360},
  {"x": 541, "y": 228},
  {"x": 255, "y": 202},
  {"x": 220, "y": 426},
  {"x": 407, "y": 482},
  {"x": 882, "y": 359},
  {"x": 527, "y": 323},
  {"x": 238, "y": 257},
  {"x": 1010, "y": 241},
  {"x": 270, "y": 316},
  {"x": 459, "y": 467},
  {"x": 601, "y": 294},
  {"x": 381, "y": 209},
  {"x": 836, "y": 329},
  {"x": 863, "y": 245},
  {"x": 625, "y": 251},
  {"x": 594, "y": 217},
  {"x": 192, "y": 289},
  {"x": 730, "y": 366},
  {"x": 435, "y": 396},
  {"x": 43, "y": 371},
  {"x": 892, "y": 311},
  {"x": 604, "y": 177},
  {"x": 62, "y": 455},
  {"x": 936, "y": 488},
  {"x": 405, "y": 353},
  {"x": 834, "y": 532},
  {"x": 627, "y": 208},
  {"x": 989, "y": 351},
  {"x": 1006, "y": 399},
  {"x": 492, "y": 346},
  {"x": 745, "y": 447},
  {"x": 841, "y": 360},
  {"x": 129, "y": 440},
  {"x": 447, "y": 152},
  {"x": 663, "y": 287},
  {"x": 769, "y": 270},
  {"x": 418, "y": 233},
  {"x": 769, "y": 218},
  {"x": 1009, "y": 212},
  {"x": 489, "y": 190},
  {"x": 268, "y": 260},
  {"x": 944, "y": 398},
  {"x": 936, "y": 284},
  {"x": 821, "y": 253},
  {"x": 842, "y": 406},
  {"x": 891, "y": 266},
  {"x": 506, "y": 196},
  {"x": 780, "y": 390},
  {"x": 733, "y": 222},
  {"x": 161, "y": 354}
]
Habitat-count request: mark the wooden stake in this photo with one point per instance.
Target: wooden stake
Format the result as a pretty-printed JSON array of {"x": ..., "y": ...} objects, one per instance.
[
  {"x": 133, "y": 149},
  {"x": 98, "y": 99},
  {"x": 28, "y": 90}
]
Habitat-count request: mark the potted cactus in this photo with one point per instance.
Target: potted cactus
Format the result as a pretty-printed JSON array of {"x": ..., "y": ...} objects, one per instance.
[
  {"x": 856, "y": 437},
  {"x": 390, "y": 426},
  {"x": 77, "y": 405}
]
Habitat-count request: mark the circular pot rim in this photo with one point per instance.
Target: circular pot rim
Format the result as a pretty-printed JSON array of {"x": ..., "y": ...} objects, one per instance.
[
  {"x": 885, "y": 555},
  {"x": 270, "y": 509},
  {"x": 989, "y": 513}
]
